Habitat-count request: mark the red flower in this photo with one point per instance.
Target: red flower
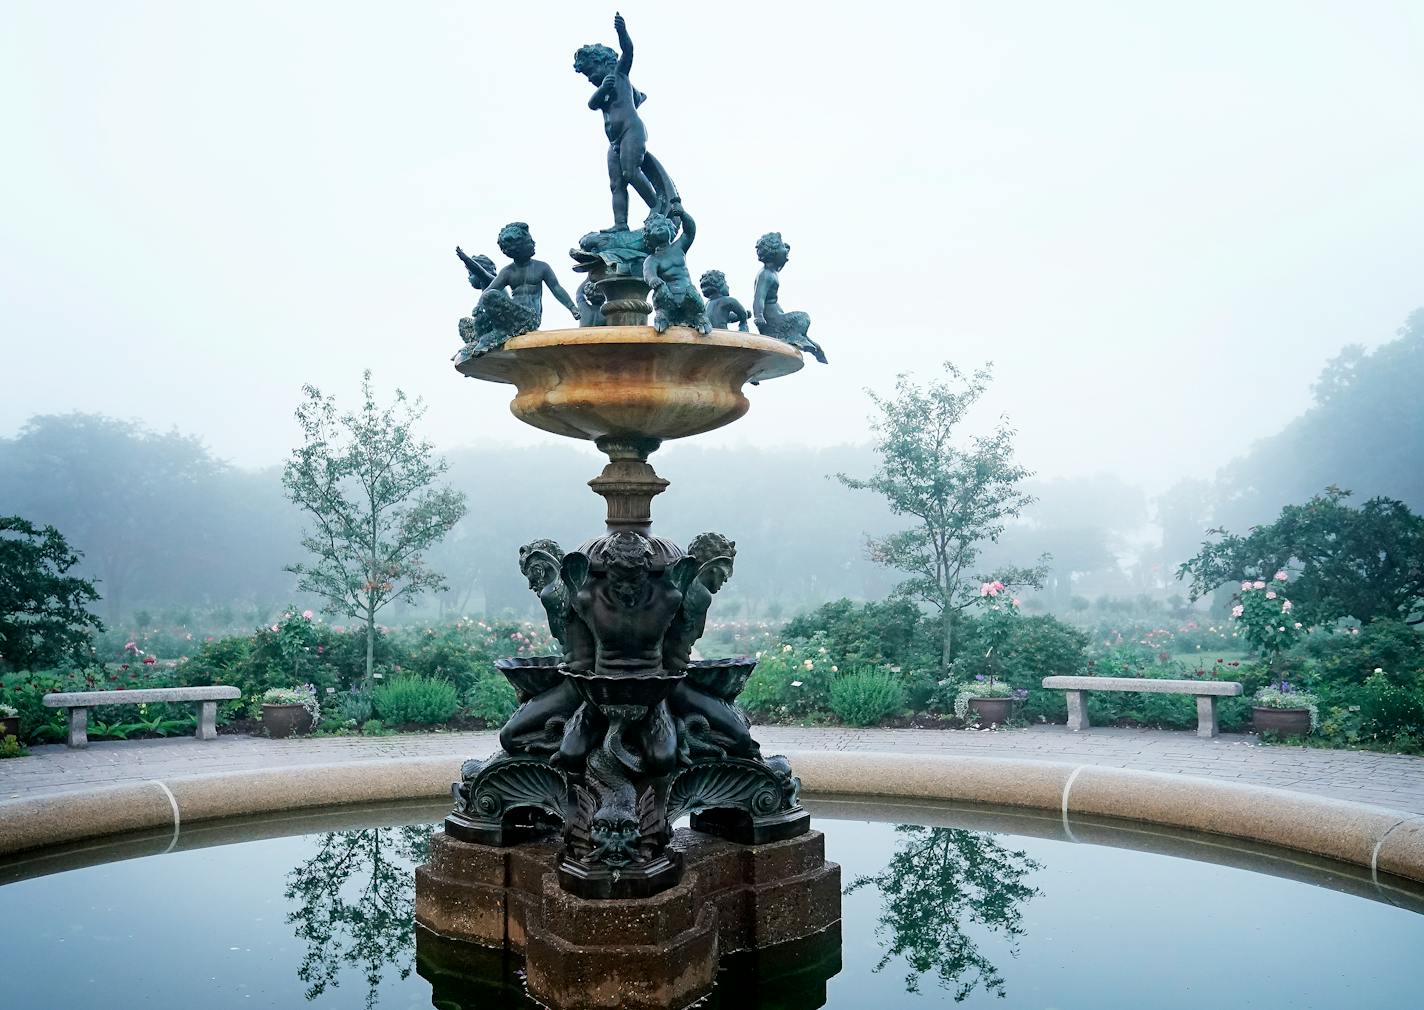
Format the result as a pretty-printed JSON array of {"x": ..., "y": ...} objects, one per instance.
[
  {"x": 149, "y": 660},
  {"x": 119, "y": 688}
]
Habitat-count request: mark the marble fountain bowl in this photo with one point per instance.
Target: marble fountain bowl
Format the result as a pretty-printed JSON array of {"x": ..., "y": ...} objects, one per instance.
[{"x": 631, "y": 382}]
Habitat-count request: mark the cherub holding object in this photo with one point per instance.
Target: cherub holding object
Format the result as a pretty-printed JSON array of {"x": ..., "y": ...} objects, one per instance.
[
  {"x": 771, "y": 319},
  {"x": 629, "y": 163},
  {"x": 590, "y": 304},
  {"x": 498, "y": 316},
  {"x": 675, "y": 300},
  {"x": 722, "y": 308}
]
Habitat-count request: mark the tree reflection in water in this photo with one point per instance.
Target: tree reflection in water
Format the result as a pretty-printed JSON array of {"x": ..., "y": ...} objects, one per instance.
[
  {"x": 355, "y": 905},
  {"x": 941, "y": 880}
]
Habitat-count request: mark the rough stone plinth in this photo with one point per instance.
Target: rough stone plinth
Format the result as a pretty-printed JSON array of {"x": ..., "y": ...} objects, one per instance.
[{"x": 656, "y": 952}]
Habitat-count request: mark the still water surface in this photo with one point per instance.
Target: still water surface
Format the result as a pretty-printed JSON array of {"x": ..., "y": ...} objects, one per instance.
[{"x": 934, "y": 916}]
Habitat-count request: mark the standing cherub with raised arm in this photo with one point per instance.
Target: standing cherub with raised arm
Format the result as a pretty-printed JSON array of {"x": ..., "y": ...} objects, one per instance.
[
  {"x": 675, "y": 299},
  {"x": 629, "y": 163}
]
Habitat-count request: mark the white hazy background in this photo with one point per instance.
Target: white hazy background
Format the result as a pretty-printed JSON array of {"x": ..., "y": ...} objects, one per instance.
[{"x": 1158, "y": 220}]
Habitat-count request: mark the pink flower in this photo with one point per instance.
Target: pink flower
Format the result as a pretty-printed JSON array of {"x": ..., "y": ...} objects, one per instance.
[
  {"x": 1286, "y": 607},
  {"x": 306, "y": 615},
  {"x": 1258, "y": 584},
  {"x": 1245, "y": 586},
  {"x": 1271, "y": 595},
  {"x": 1017, "y": 602},
  {"x": 274, "y": 627},
  {"x": 131, "y": 647},
  {"x": 1281, "y": 575},
  {"x": 1237, "y": 610}
]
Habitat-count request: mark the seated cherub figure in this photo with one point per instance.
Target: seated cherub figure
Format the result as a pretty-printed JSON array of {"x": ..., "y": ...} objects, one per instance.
[
  {"x": 513, "y": 299},
  {"x": 722, "y": 308},
  {"x": 675, "y": 300}
]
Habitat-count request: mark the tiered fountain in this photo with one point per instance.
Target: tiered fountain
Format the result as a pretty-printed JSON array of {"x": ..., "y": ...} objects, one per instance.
[{"x": 561, "y": 846}]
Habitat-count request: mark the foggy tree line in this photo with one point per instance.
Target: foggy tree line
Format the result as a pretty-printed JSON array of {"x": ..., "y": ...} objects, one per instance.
[{"x": 163, "y": 523}]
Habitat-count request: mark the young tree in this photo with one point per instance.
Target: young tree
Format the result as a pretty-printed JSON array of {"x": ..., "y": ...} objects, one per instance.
[
  {"x": 960, "y": 498},
  {"x": 366, "y": 481},
  {"x": 44, "y": 612}
]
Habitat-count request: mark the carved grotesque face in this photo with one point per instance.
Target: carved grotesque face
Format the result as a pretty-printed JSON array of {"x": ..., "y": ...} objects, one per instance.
[
  {"x": 539, "y": 575},
  {"x": 715, "y": 576},
  {"x": 629, "y": 558},
  {"x": 592, "y": 294},
  {"x": 615, "y": 839},
  {"x": 626, "y": 581}
]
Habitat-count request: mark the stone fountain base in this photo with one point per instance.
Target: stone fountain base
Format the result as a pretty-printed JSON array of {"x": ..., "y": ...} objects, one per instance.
[{"x": 780, "y": 900}]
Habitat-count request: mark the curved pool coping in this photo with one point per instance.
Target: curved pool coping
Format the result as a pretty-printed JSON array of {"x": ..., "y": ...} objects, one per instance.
[{"x": 1380, "y": 839}]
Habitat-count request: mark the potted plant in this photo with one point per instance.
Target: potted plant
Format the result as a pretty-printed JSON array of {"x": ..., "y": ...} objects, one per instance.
[
  {"x": 990, "y": 699},
  {"x": 1284, "y": 710},
  {"x": 9, "y": 722},
  {"x": 1263, "y": 613},
  {"x": 289, "y": 710}
]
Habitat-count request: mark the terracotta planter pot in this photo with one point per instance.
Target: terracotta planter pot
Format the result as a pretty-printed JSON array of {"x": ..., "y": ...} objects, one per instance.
[
  {"x": 1285, "y": 721},
  {"x": 10, "y": 726},
  {"x": 992, "y": 711},
  {"x": 284, "y": 720}
]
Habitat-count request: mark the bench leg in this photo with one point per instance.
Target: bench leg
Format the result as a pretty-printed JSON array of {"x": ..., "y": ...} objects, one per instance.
[
  {"x": 1206, "y": 716},
  {"x": 1077, "y": 711},
  {"x": 208, "y": 721},
  {"x": 78, "y": 727}
]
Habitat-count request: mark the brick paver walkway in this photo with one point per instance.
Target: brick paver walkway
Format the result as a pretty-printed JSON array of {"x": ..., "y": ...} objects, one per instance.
[{"x": 1386, "y": 779}]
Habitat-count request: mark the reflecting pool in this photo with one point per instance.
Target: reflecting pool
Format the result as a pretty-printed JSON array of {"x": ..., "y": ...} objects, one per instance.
[{"x": 943, "y": 906}]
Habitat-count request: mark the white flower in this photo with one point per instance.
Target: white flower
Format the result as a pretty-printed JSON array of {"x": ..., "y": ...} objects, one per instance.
[
  {"x": 823, "y": 650},
  {"x": 835, "y": 669},
  {"x": 786, "y": 648},
  {"x": 1379, "y": 669},
  {"x": 808, "y": 665}
]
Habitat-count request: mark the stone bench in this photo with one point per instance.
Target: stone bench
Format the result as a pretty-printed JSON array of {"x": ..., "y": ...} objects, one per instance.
[
  {"x": 80, "y": 702},
  {"x": 1205, "y": 691}
]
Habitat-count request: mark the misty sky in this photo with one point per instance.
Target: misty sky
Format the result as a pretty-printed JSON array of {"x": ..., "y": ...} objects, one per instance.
[{"x": 1158, "y": 220}]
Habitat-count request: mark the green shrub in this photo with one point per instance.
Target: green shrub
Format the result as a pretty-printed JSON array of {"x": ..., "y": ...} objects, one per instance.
[
  {"x": 373, "y": 727},
  {"x": 491, "y": 699},
  {"x": 414, "y": 699},
  {"x": 790, "y": 682},
  {"x": 10, "y": 747},
  {"x": 1391, "y": 713},
  {"x": 866, "y": 696},
  {"x": 1343, "y": 658},
  {"x": 353, "y": 706},
  {"x": 887, "y": 633},
  {"x": 1035, "y": 647}
]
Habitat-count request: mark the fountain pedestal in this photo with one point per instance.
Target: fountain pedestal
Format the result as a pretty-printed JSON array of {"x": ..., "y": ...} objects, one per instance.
[
  {"x": 623, "y": 733},
  {"x": 780, "y": 900}
]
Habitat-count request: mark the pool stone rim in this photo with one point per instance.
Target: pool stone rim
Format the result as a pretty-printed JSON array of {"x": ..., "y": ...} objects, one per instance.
[{"x": 1378, "y": 838}]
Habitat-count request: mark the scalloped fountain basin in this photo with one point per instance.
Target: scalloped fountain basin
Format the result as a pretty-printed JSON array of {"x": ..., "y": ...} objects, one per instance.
[
  {"x": 631, "y": 381},
  {"x": 998, "y": 907}
]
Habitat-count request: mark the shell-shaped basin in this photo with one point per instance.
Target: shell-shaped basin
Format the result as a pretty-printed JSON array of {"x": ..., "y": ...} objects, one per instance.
[{"x": 631, "y": 381}]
